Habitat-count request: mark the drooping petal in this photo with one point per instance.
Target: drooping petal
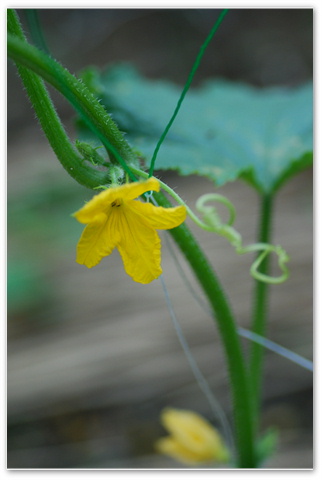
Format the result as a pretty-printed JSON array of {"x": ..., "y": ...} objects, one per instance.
[
  {"x": 170, "y": 446},
  {"x": 135, "y": 189},
  {"x": 185, "y": 424},
  {"x": 139, "y": 247},
  {"x": 194, "y": 433},
  {"x": 158, "y": 217},
  {"x": 100, "y": 202},
  {"x": 97, "y": 205},
  {"x": 98, "y": 240}
]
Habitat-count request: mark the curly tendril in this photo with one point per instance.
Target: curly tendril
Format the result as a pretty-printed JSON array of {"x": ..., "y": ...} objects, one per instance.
[{"x": 212, "y": 222}]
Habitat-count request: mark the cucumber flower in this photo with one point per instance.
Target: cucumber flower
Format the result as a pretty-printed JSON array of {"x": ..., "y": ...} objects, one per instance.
[
  {"x": 115, "y": 219},
  {"x": 192, "y": 439}
]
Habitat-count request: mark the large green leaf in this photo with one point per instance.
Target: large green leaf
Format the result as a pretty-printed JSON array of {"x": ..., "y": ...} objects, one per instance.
[{"x": 223, "y": 131}]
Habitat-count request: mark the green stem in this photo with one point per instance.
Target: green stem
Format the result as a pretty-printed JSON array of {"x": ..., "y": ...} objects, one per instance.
[
  {"x": 243, "y": 415},
  {"x": 260, "y": 308},
  {"x": 50, "y": 122},
  {"x": 74, "y": 90}
]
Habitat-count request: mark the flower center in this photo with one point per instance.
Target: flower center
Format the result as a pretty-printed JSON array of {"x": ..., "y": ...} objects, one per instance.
[{"x": 117, "y": 203}]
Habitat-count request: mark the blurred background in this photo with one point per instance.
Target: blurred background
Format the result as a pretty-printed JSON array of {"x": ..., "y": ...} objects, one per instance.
[{"x": 93, "y": 357}]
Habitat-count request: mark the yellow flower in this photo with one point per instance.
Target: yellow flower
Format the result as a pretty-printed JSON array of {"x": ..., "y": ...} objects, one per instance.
[
  {"x": 115, "y": 219},
  {"x": 192, "y": 439}
]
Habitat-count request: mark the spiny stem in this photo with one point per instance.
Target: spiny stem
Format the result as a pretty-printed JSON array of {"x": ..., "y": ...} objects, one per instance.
[
  {"x": 50, "y": 122},
  {"x": 90, "y": 109}
]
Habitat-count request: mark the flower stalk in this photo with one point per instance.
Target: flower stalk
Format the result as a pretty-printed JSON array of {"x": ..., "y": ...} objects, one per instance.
[{"x": 260, "y": 307}]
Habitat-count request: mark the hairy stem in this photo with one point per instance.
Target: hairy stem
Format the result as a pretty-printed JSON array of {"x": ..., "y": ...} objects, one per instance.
[
  {"x": 85, "y": 103},
  {"x": 74, "y": 164}
]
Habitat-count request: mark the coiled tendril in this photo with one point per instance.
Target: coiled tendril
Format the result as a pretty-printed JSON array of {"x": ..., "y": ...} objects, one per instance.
[{"x": 212, "y": 222}]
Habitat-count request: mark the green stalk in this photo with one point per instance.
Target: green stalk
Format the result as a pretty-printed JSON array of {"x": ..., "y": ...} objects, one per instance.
[
  {"x": 260, "y": 308},
  {"x": 50, "y": 122},
  {"x": 84, "y": 102},
  {"x": 73, "y": 89},
  {"x": 241, "y": 394}
]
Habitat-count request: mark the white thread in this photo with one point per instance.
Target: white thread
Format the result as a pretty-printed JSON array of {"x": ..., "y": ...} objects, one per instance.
[
  {"x": 265, "y": 342},
  {"x": 202, "y": 382},
  {"x": 276, "y": 348}
]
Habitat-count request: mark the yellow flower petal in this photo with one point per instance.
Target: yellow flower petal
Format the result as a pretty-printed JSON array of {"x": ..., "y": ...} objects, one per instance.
[
  {"x": 170, "y": 446},
  {"x": 158, "y": 217},
  {"x": 103, "y": 200},
  {"x": 178, "y": 421},
  {"x": 115, "y": 219},
  {"x": 97, "y": 205},
  {"x": 194, "y": 434},
  {"x": 136, "y": 189},
  {"x": 139, "y": 247},
  {"x": 98, "y": 240}
]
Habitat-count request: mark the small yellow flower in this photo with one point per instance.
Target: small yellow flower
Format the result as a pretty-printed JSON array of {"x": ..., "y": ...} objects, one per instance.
[
  {"x": 192, "y": 439},
  {"x": 116, "y": 219}
]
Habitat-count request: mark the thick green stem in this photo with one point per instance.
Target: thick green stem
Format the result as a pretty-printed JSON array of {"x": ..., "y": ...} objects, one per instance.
[
  {"x": 260, "y": 308},
  {"x": 73, "y": 89},
  {"x": 89, "y": 108},
  {"x": 74, "y": 164},
  {"x": 243, "y": 415}
]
